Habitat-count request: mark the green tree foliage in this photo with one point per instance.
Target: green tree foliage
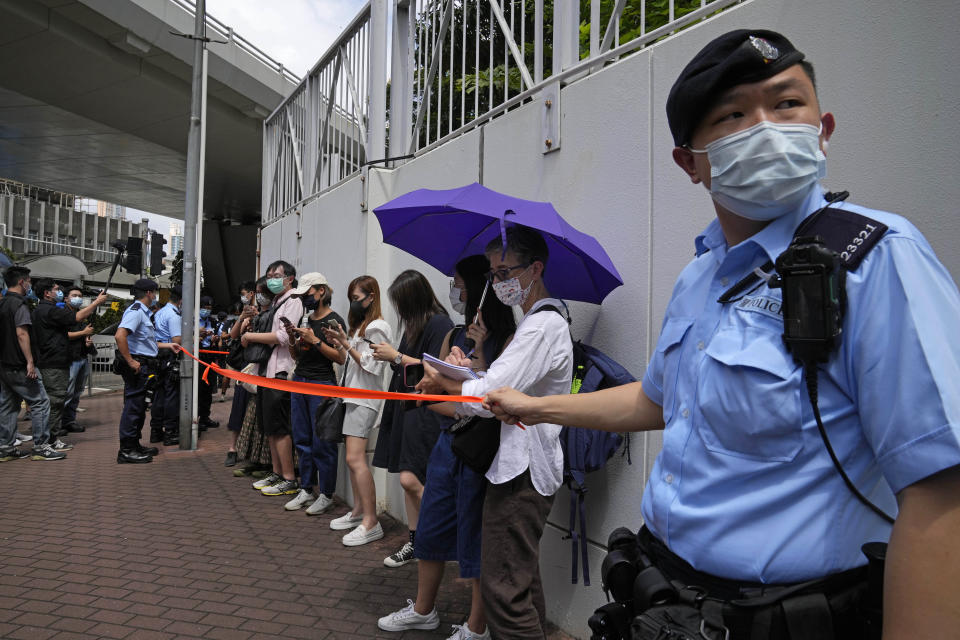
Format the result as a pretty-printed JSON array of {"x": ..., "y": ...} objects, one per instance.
[
  {"x": 176, "y": 274},
  {"x": 496, "y": 77}
]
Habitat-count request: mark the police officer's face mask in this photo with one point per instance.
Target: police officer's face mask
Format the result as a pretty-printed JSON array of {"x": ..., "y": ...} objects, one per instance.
[
  {"x": 204, "y": 314},
  {"x": 766, "y": 171}
]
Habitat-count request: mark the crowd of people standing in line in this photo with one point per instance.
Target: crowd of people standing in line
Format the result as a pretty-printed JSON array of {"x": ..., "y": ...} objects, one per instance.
[{"x": 453, "y": 511}]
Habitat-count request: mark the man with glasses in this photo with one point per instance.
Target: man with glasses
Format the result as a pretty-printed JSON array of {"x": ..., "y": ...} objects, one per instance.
[
  {"x": 273, "y": 407},
  {"x": 528, "y": 467}
]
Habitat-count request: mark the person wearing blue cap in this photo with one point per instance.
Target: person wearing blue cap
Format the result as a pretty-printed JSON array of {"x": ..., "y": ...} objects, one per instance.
[
  {"x": 136, "y": 363},
  {"x": 785, "y": 450},
  {"x": 165, "y": 409}
]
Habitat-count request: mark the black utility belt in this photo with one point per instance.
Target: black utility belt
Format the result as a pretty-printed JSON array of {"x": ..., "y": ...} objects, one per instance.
[{"x": 144, "y": 359}]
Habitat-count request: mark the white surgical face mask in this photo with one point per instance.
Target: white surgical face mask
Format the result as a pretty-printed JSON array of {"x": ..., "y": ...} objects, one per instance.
[
  {"x": 510, "y": 293},
  {"x": 262, "y": 300},
  {"x": 244, "y": 300},
  {"x": 76, "y": 302},
  {"x": 455, "y": 302},
  {"x": 766, "y": 171}
]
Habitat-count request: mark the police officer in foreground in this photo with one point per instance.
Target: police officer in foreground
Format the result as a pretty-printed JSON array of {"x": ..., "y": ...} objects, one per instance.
[
  {"x": 137, "y": 364},
  {"x": 744, "y": 496},
  {"x": 165, "y": 409}
]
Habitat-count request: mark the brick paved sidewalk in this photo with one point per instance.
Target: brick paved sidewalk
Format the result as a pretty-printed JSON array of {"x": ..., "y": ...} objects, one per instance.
[{"x": 179, "y": 548}]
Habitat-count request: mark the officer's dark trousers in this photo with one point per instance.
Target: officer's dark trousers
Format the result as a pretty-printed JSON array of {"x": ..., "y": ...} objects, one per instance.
[
  {"x": 165, "y": 410},
  {"x": 134, "y": 407},
  {"x": 205, "y": 395}
]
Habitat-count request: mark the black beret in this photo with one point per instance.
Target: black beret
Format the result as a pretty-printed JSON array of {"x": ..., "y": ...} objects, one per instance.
[
  {"x": 145, "y": 284},
  {"x": 736, "y": 57},
  {"x": 206, "y": 301}
]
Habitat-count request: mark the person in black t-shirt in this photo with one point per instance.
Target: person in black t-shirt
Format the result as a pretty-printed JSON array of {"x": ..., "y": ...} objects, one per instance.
[
  {"x": 315, "y": 357},
  {"x": 51, "y": 326},
  {"x": 81, "y": 345}
]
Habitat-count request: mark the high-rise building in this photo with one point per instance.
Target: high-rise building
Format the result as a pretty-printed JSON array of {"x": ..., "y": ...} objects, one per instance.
[{"x": 176, "y": 239}]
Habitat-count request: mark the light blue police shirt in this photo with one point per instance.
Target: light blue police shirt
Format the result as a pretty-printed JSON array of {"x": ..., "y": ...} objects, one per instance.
[
  {"x": 744, "y": 487},
  {"x": 206, "y": 323},
  {"x": 142, "y": 339},
  {"x": 167, "y": 323}
]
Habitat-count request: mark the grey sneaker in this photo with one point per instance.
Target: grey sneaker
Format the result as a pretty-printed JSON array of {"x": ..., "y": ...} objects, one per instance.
[
  {"x": 46, "y": 452},
  {"x": 299, "y": 501},
  {"x": 267, "y": 480},
  {"x": 403, "y": 556},
  {"x": 407, "y": 618},
  {"x": 282, "y": 488},
  {"x": 13, "y": 454},
  {"x": 60, "y": 445}
]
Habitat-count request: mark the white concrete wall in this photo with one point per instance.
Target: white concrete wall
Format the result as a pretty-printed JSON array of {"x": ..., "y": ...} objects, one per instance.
[{"x": 881, "y": 70}]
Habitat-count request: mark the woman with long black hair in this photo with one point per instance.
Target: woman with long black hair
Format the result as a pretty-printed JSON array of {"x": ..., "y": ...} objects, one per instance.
[
  {"x": 363, "y": 371},
  {"x": 408, "y": 432},
  {"x": 452, "y": 504}
]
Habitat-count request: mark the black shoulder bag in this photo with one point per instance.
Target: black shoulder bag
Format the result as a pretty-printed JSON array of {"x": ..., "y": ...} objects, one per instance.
[
  {"x": 476, "y": 440},
  {"x": 328, "y": 419},
  {"x": 257, "y": 352}
]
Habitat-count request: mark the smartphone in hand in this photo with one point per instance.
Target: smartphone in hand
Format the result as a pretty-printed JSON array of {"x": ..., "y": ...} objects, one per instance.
[{"x": 412, "y": 375}]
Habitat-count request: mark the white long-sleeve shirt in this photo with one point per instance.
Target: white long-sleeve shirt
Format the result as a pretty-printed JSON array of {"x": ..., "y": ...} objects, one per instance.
[
  {"x": 370, "y": 373},
  {"x": 539, "y": 362}
]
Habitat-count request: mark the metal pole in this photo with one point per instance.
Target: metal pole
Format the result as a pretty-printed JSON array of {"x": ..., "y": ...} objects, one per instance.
[
  {"x": 377, "y": 78},
  {"x": 194, "y": 195}
]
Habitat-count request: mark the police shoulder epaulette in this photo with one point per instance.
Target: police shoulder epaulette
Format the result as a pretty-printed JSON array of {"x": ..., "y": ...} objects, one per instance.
[
  {"x": 847, "y": 233},
  {"x": 135, "y": 306}
]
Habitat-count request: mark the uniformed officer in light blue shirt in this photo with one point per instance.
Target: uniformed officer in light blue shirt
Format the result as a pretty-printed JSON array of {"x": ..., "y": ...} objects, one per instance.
[
  {"x": 165, "y": 411},
  {"x": 744, "y": 493},
  {"x": 138, "y": 348}
]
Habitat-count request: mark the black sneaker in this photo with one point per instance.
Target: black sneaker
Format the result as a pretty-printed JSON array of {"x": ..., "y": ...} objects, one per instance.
[
  {"x": 46, "y": 452},
  {"x": 231, "y": 459},
  {"x": 13, "y": 454},
  {"x": 403, "y": 556},
  {"x": 156, "y": 436},
  {"x": 73, "y": 427}
]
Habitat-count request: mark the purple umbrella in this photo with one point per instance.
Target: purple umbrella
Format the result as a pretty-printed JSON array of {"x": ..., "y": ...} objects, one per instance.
[{"x": 442, "y": 227}]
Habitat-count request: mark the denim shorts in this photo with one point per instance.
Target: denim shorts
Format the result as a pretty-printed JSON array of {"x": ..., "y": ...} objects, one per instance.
[{"x": 451, "y": 510}]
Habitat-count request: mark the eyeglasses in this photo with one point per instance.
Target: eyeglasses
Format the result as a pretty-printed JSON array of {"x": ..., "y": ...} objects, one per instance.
[{"x": 502, "y": 274}]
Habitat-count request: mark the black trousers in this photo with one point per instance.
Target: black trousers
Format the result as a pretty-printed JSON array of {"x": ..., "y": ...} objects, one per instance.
[
  {"x": 205, "y": 394},
  {"x": 165, "y": 410}
]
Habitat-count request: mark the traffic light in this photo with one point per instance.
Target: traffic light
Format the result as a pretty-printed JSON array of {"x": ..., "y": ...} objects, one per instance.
[
  {"x": 133, "y": 263},
  {"x": 156, "y": 253}
]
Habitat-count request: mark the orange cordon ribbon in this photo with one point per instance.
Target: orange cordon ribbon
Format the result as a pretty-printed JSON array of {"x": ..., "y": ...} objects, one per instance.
[
  {"x": 326, "y": 390},
  {"x": 221, "y": 353}
]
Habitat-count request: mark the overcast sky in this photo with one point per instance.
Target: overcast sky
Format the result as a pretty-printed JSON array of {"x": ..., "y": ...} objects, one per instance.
[{"x": 295, "y": 33}]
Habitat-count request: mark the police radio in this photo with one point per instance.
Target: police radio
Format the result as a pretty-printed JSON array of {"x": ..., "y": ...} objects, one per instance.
[{"x": 813, "y": 280}]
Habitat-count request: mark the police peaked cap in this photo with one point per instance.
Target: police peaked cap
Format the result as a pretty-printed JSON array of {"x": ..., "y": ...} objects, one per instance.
[
  {"x": 736, "y": 57},
  {"x": 206, "y": 301},
  {"x": 145, "y": 284}
]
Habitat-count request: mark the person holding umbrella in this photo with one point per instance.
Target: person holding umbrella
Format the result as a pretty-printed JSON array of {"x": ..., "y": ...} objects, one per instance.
[{"x": 528, "y": 467}]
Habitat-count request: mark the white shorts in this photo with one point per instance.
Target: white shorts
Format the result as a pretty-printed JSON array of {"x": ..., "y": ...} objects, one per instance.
[{"x": 358, "y": 421}]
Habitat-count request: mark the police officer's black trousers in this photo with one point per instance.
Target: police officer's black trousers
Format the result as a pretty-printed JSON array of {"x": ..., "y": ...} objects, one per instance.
[
  {"x": 165, "y": 409},
  {"x": 205, "y": 394},
  {"x": 134, "y": 407}
]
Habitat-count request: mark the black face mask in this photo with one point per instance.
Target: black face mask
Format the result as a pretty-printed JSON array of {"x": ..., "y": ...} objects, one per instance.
[
  {"x": 310, "y": 303},
  {"x": 357, "y": 309}
]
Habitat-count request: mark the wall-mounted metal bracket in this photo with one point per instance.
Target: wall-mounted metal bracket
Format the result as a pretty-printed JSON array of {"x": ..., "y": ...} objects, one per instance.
[{"x": 550, "y": 118}]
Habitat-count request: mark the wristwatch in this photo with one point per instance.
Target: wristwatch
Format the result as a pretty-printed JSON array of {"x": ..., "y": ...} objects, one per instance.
[{"x": 398, "y": 359}]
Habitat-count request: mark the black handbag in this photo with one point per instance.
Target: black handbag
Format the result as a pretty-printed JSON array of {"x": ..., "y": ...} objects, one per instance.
[
  {"x": 328, "y": 419},
  {"x": 476, "y": 441},
  {"x": 257, "y": 352},
  {"x": 235, "y": 359}
]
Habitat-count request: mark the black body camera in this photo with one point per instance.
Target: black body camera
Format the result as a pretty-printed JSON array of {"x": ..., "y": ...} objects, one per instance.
[{"x": 813, "y": 281}]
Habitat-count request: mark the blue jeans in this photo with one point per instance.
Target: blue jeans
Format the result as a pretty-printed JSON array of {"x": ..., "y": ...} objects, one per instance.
[
  {"x": 317, "y": 458},
  {"x": 451, "y": 511},
  {"x": 14, "y": 387},
  {"x": 78, "y": 379}
]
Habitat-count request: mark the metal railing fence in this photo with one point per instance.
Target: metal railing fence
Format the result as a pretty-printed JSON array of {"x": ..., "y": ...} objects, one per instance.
[
  {"x": 455, "y": 64},
  {"x": 220, "y": 31}
]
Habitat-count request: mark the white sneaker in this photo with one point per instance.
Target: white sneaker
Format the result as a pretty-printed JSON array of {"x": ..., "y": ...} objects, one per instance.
[
  {"x": 346, "y": 521},
  {"x": 23, "y": 437},
  {"x": 401, "y": 557},
  {"x": 321, "y": 504},
  {"x": 360, "y": 536},
  {"x": 300, "y": 500},
  {"x": 267, "y": 480},
  {"x": 462, "y": 632},
  {"x": 60, "y": 445},
  {"x": 407, "y": 618}
]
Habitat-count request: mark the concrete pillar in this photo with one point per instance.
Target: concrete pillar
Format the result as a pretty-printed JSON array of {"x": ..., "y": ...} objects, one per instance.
[
  {"x": 56, "y": 229},
  {"x": 83, "y": 236},
  {"x": 96, "y": 235},
  {"x": 42, "y": 230}
]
